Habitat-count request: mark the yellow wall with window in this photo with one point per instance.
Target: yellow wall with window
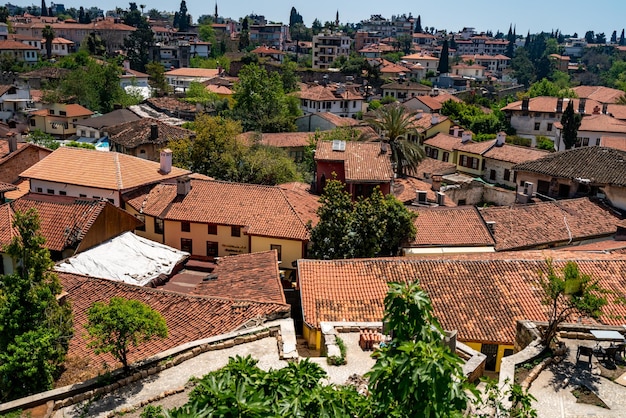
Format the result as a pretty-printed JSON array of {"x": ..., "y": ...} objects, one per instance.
[
  {"x": 149, "y": 232},
  {"x": 475, "y": 171},
  {"x": 501, "y": 347},
  {"x": 198, "y": 233},
  {"x": 291, "y": 250}
]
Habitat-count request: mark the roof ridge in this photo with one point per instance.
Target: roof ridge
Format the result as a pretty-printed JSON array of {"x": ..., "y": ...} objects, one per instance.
[{"x": 118, "y": 171}]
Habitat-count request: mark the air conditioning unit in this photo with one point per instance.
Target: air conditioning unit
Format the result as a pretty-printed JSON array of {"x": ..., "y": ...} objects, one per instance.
[
  {"x": 421, "y": 197},
  {"x": 441, "y": 197},
  {"x": 529, "y": 188}
]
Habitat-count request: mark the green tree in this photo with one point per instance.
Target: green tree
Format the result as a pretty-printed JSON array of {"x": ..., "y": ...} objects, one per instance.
[
  {"x": 48, "y": 35},
  {"x": 181, "y": 18},
  {"x": 566, "y": 293},
  {"x": 94, "y": 44},
  {"x": 545, "y": 87},
  {"x": 366, "y": 228},
  {"x": 444, "y": 64},
  {"x": 35, "y": 328},
  {"x": 418, "y": 24},
  {"x": 395, "y": 123},
  {"x": 289, "y": 77},
  {"x": 4, "y": 14},
  {"x": 157, "y": 78},
  {"x": 43, "y": 139},
  {"x": 571, "y": 122},
  {"x": 244, "y": 35},
  {"x": 137, "y": 45},
  {"x": 122, "y": 323},
  {"x": 416, "y": 374},
  {"x": 261, "y": 103},
  {"x": 267, "y": 165}
]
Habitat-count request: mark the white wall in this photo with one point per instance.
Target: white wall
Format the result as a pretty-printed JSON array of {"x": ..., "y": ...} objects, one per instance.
[{"x": 74, "y": 190}]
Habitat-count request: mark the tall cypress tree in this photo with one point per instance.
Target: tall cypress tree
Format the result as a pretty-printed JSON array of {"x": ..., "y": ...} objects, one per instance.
[
  {"x": 444, "y": 58},
  {"x": 44, "y": 9},
  {"x": 622, "y": 41},
  {"x": 571, "y": 122},
  {"x": 418, "y": 25}
]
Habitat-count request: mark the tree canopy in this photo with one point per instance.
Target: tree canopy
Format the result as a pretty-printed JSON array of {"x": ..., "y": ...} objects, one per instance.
[
  {"x": 122, "y": 323},
  {"x": 571, "y": 122},
  {"x": 35, "y": 328},
  {"x": 369, "y": 227}
]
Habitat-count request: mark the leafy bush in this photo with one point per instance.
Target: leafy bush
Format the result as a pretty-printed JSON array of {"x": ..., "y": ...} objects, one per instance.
[
  {"x": 545, "y": 143},
  {"x": 341, "y": 358},
  {"x": 519, "y": 140}
]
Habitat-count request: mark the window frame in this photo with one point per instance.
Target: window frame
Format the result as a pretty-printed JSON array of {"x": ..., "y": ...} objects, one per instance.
[{"x": 185, "y": 226}]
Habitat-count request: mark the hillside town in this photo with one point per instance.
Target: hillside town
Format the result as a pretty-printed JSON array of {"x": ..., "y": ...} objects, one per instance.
[{"x": 230, "y": 216}]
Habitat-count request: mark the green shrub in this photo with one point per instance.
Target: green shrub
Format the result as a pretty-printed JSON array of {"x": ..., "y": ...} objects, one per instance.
[{"x": 341, "y": 358}]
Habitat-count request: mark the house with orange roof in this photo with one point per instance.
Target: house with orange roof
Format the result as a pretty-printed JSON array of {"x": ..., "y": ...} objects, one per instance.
[
  {"x": 210, "y": 219},
  {"x": 339, "y": 99},
  {"x": 492, "y": 63},
  {"x": 19, "y": 51},
  {"x": 588, "y": 171},
  {"x": 61, "y": 47},
  {"x": 613, "y": 142},
  {"x": 600, "y": 94},
  {"x": 80, "y": 172},
  {"x": 427, "y": 62},
  {"x": 361, "y": 166},
  {"x": 180, "y": 78},
  {"x": 302, "y": 199},
  {"x": 468, "y": 155},
  {"x": 404, "y": 90},
  {"x": 482, "y": 296},
  {"x": 58, "y": 119},
  {"x": 500, "y": 159},
  {"x": 69, "y": 225},
  {"x": 415, "y": 191},
  {"x": 375, "y": 50},
  {"x": 537, "y": 116},
  {"x": 293, "y": 143},
  {"x": 473, "y": 71},
  {"x": 323, "y": 121},
  {"x": 271, "y": 54},
  {"x": 16, "y": 156},
  {"x": 592, "y": 129},
  {"x": 552, "y": 224},
  {"x": 189, "y": 318},
  {"x": 428, "y": 125}
]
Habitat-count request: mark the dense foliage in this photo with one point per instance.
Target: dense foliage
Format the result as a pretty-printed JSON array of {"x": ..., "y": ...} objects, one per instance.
[
  {"x": 474, "y": 118},
  {"x": 571, "y": 122},
  {"x": 35, "y": 328},
  {"x": 122, "y": 323},
  {"x": 369, "y": 227}
]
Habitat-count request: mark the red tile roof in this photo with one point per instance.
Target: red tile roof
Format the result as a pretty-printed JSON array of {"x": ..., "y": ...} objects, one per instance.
[
  {"x": 188, "y": 318},
  {"x": 245, "y": 276},
  {"x": 450, "y": 227},
  {"x": 363, "y": 161},
  {"x": 318, "y": 92},
  {"x": 455, "y": 143},
  {"x": 599, "y": 93},
  {"x": 64, "y": 220},
  {"x": 280, "y": 140},
  {"x": 135, "y": 133},
  {"x": 515, "y": 154},
  {"x": 404, "y": 189},
  {"x": 429, "y": 167},
  {"x": 548, "y": 105},
  {"x": 542, "y": 224},
  {"x": 104, "y": 170},
  {"x": 602, "y": 123},
  {"x": 480, "y": 296},
  {"x": 264, "y": 210},
  {"x": 302, "y": 200},
  {"x": 614, "y": 142},
  {"x": 14, "y": 45},
  {"x": 193, "y": 72}
]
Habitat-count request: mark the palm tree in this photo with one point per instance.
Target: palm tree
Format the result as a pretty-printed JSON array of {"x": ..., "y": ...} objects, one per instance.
[
  {"x": 395, "y": 123},
  {"x": 48, "y": 34}
]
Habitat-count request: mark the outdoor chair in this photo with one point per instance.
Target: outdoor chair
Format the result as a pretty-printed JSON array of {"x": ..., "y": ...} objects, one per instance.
[
  {"x": 609, "y": 354},
  {"x": 584, "y": 351}
]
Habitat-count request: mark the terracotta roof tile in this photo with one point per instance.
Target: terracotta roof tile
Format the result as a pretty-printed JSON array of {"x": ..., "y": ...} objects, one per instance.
[
  {"x": 363, "y": 161},
  {"x": 404, "y": 189},
  {"x": 264, "y": 210},
  {"x": 64, "y": 220},
  {"x": 455, "y": 143},
  {"x": 280, "y": 140},
  {"x": 193, "y": 72},
  {"x": 598, "y": 164},
  {"x": 302, "y": 200},
  {"x": 245, "y": 276},
  {"x": 602, "y": 123},
  {"x": 338, "y": 120},
  {"x": 188, "y": 318},
  {"x": 171, "y": 104},
  {"x": 139, "y": 132},
  {"x": 105, "y": 170},
  {"x": 8, "y": 45},
  {"x": 318, "y": 92},
  {"x": 429, "y": 167},
  {"x": 480, "y": 296},
  {"x": 548, "y": 223},
  {"x": 599, "y": 93},
  {"x": 514, "y": 154},
  {"x": 450, "y": 227},
  {"x": 615, "y": 142},
  {"x": 548, "y": 105},
  {"x": 113, "y": 118}
]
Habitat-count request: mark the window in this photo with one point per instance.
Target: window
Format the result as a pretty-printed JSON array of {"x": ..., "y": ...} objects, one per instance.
[
  {"x": 435, "y": 153},
  {"x": 549, "y": 127},
  {"x": 32, "y": 122},
  {"x": 158, "y": 226},
  {"x": 492, "y": 175},
  {"x": 446, "y": 157},
  {"x": 279, "y": 250},
  {"x": 507, "y": 174},
  {"x": 39, "y": 190},
  {"x": 585, "y": 142},
  {"x": 62, "y": 192},
  {"x": 185, "y": 226},
  {"x": 474, "y": 163},
  {"x": 235, "y": 231},
  {"x": 62, "y": 113},
  {"x": 50, "y": 191},
  {"x": 82, "y": 195},
  {"x": 537, "y": 126},
  {"x": 51, "y": 111},
  {"x": 597, "y": 141},
  {"x": 212, "y": 248},
  {"x": 142, "y": 218},
  {"x": 186, "y": 245},
  {"x": 212, "y": 229}
]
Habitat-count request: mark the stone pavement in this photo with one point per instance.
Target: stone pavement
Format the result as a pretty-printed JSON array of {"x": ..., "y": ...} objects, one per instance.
[{"x": 553, "y": 389}]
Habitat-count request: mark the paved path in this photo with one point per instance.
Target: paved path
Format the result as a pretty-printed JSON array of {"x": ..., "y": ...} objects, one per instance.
[
  {"x": 265, "y": 350},
  {"x": 555, "y": 399}
]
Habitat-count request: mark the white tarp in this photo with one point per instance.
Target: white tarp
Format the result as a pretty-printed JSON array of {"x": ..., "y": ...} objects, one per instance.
[{"x": 127, "y": 258}]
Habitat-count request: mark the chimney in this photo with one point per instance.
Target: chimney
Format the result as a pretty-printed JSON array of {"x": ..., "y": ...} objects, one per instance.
[
  {"x": 596, "y": 110},
  {"x": 581, "y": 105},
  {"x": 12, "y": 142},
  {"x": 455, "y": 131},
  {"x": 166, "y": 161},
  {"x": 434, "y": 119},
  {"x": 491, "y": 226},
  {"x": 605, "y": 108},
  {"x": 154, "y": 132},
  {"x": 183, "y": 186},
  {"x": 436, "y": 181},
  {"x": 500, "y": 139},
  {"x": 525, "y": 104},
  {"x": 559, "y": 105},
  {"x": 466, "y": 136}
]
